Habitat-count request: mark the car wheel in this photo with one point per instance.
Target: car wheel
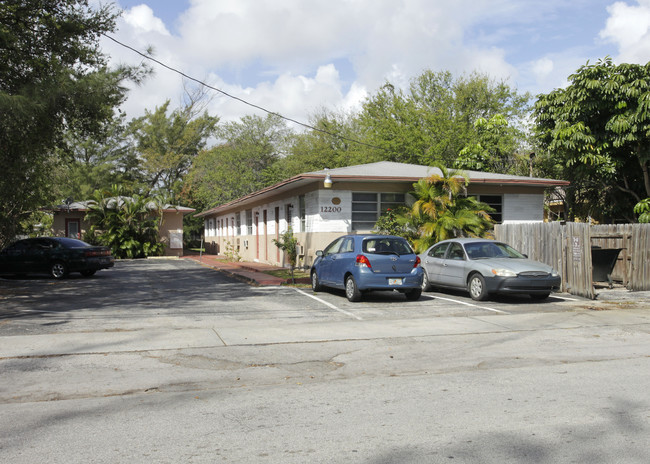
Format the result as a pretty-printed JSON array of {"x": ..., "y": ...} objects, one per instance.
[
  {"x": 426, "y": 285},
  {"x": 88, "y": 272},
  {"x": 315, "y": 283},
  {"x": 352, "y": 292},
  {"x": 540, "y": 296},
  {"x": 476, "y": 287},
  {"x": 413, "y": 295},
  {"x": 58, "y": 270}
]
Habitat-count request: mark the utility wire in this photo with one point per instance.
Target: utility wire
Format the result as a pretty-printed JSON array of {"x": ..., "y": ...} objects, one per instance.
[{"x": 150, "y": 58}]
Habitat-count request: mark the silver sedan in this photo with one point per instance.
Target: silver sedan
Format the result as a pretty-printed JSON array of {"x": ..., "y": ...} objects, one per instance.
[{"x": 484, "y": 267}]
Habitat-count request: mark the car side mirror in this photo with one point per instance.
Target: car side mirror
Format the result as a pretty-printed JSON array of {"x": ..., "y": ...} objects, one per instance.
[{"x": 319, "y": 253}]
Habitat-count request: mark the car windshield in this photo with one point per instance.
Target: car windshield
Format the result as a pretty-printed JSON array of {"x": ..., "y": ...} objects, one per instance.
[
  {"x": 72, "y": 242},
  {"x": 486, "y": 250},
  {"x": 387, "y": 246}
]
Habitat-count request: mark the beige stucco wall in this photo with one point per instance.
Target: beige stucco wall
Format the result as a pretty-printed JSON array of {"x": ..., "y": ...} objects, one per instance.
[
  {"x": 323, "y": 224},
  {"x": 59, "y": 221},
  {"x": 246, "y": 247},
  {"x": 172, "y": 224}
]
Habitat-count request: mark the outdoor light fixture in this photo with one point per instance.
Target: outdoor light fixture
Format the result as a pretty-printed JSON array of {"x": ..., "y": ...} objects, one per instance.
[{"x": 327, "y": 183}]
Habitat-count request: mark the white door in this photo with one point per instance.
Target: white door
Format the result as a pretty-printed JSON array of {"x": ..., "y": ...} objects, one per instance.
[{"x": 73, "y": 229}]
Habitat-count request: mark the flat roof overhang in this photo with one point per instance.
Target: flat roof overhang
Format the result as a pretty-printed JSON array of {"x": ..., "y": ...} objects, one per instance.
[{"x": 307, "y": 179}]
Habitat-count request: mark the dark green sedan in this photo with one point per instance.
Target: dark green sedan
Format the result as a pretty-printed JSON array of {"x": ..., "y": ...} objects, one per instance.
[{"x": 57, "y": 256}]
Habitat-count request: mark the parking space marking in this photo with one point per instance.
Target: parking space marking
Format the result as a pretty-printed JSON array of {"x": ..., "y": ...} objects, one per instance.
[
  {"x": 329, "y": 305},
  {"x": 39, "y": 311},
  {"x": 564, "y": 298},
  {"x": 472, "y": 305}
]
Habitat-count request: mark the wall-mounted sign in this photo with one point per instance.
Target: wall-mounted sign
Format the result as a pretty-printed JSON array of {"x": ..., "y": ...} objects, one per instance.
[
  {"x": 330, "y": 209},
  {"x": 336, "y": 201},
  {"x": 577, "y": 249},
  {"x": 175, "y": 239}
]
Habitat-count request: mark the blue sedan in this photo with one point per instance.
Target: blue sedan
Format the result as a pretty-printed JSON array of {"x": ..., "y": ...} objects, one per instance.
[{"x": 361, "y": 263}]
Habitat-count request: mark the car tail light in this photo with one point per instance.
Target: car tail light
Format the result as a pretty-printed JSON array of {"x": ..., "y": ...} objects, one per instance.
[
  {"x": 363, "y": 261},
  {"x": 97, "y": 253},
  {"x": 417, "y": 261}
]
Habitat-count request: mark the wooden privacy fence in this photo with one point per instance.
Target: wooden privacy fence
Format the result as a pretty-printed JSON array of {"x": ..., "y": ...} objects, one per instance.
[{"x": 568, "y": 248}]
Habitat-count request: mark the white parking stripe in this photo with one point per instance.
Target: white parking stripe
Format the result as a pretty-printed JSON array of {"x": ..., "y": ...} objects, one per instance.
[
  {"x": 329, "y": 305},
  {"x": 472, "y": 305},
  {"x": 564, "y": 298}
]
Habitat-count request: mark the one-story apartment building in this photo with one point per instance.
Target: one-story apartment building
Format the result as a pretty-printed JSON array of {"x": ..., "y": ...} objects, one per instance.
[
  {"x": 69, "y": 221},
  {"x": 322, "y": 205}
]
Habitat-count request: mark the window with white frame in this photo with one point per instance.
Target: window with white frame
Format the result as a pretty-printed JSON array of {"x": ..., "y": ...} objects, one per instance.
[
  {"x": 249, "y": 222},
  {"x": 237, "y": 223},
  {"x": 288, "y": 214},
  {"x": 302, "y": 212},
  {"x": 367, "y": 207}
]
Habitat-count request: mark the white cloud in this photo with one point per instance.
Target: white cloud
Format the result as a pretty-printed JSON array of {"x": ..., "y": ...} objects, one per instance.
[
  {"x": 543, "y": 67},
  {"x": 141, "y": 17},
  {"x": 296, "y": 57},
  {"x": 353, "y": 99},
  {"x": 629, "y": 28},
  {"x": 551, "y": 71},
  {"x": 293, "y": 96}
]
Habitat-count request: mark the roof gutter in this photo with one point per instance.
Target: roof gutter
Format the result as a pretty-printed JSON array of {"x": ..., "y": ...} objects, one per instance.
[{"x": 532, "y": 182}]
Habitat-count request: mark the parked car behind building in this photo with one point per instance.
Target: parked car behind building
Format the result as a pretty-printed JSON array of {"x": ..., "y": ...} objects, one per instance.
[{"x": 57, "y": 256}]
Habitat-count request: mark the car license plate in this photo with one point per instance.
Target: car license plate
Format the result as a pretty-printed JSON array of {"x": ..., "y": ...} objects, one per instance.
[{"x": 394, "y": 281}]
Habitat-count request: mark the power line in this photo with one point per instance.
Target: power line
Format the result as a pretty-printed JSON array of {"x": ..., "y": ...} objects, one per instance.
[{"x": 150, "y": 58}]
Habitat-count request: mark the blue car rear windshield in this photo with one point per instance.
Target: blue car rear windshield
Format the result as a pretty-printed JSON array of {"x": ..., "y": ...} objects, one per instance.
[{"x": 383, "y": 245}]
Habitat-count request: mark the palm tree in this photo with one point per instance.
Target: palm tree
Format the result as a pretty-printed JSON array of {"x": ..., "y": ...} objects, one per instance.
[
  {"x": 435, "y": 193},
  {"x": 128, "y": 224},
  {"x": 442, "y": 210}
]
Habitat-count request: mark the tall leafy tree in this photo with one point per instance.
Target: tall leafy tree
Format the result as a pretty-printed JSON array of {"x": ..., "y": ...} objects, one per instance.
[
  {"x": 596, "y": 134},
  {"x": 642, "y": 208},
  {"x": 53, "y": 79},
  {"x": 167, "y": 144},
  {"x": 94, "y": 163},
  {"x": 240, "y": 165},
  {"x": 391, "y": 121},
  {"x": 435, "y": 118},
  {"x": 329, "y": 145},
  {"x": 496, "y": 149}
]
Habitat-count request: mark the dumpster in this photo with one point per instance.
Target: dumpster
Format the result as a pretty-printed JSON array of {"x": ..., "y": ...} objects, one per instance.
[{"x": 603, "y": 261}]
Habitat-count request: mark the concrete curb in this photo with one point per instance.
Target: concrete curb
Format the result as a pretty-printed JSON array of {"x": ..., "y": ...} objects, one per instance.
[{"x": 244, "y": 271}]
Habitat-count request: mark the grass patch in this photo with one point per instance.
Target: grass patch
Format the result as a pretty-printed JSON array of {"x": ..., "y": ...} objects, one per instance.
[
  {"x": 195, "y": 250},
  {"x": 286, "y": 273}
]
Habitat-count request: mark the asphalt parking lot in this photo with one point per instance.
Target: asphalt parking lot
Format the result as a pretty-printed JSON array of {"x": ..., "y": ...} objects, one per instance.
[
  {"x": 172, "y": 361},
  {"x": 176, "y": 288}
]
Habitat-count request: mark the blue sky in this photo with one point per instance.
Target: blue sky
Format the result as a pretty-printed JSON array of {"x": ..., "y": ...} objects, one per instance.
[{"x": 296, "y": 57}]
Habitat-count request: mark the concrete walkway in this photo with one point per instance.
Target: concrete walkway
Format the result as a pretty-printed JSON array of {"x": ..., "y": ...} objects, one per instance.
[
  {"x": 230, "y": 333},
  {"x": 251, "y": 272}
]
